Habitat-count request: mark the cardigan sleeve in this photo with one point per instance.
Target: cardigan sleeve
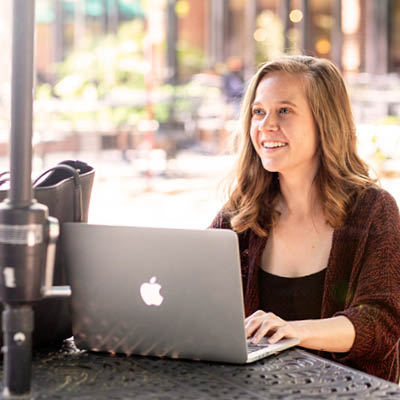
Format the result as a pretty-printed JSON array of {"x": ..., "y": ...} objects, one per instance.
[{"x": 373, "y": 305}]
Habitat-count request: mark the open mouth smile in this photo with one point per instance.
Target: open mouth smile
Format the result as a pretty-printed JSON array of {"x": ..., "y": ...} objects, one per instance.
[{"x": 273, "y": 145}]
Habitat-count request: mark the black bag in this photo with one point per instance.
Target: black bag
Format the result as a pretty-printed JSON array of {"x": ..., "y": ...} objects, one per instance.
[{"x": 65, "y": 189}]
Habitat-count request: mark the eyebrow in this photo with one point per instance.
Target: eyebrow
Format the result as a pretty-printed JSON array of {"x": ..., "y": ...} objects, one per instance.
[{"x": 278, "y": 102}]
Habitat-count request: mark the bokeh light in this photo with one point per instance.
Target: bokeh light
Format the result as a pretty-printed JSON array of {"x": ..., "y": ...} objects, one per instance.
[
  {"x": 296, "y": 15},
  {"x": 260, "y": 34},
  {"x": 323, "y": 46},
  {"x": 182, "y": 8}
]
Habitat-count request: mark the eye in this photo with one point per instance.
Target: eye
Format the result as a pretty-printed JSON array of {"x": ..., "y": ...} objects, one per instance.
[
  {"x": 257, "y": 111},
  {"x": 284, "y": 110}
]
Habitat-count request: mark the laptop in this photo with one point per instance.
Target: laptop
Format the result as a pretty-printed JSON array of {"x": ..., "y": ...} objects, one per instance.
[{"x": 159, "y": 292}]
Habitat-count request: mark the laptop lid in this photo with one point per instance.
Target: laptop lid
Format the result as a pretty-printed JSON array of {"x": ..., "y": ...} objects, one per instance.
[
  {"x": 156, "y": 291},
  {"x": 160, "y": 292}
]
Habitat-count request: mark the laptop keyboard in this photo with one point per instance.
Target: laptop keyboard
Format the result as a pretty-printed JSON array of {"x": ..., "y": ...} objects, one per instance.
[{"x": 251, "y": 348}]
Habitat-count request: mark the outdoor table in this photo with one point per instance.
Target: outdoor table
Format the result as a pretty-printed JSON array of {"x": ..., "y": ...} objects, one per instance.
[{"x": 67, "y": 373}]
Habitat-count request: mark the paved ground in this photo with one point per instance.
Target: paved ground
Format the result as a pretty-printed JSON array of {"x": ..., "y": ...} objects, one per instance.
[{"x": 187, "y": 196}]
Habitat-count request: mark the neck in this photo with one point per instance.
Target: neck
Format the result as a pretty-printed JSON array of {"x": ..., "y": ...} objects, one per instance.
[{"x": 299, "y": 195}]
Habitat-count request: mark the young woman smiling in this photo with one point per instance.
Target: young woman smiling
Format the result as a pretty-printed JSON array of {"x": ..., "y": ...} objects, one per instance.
[{"x": 319, "y": 240}]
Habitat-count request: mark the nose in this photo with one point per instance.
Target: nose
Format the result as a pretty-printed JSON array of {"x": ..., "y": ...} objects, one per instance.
[{"x": 269, "y": 122}]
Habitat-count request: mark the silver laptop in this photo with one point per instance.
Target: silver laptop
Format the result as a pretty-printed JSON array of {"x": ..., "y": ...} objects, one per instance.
[{"x": 159, "y": 292}]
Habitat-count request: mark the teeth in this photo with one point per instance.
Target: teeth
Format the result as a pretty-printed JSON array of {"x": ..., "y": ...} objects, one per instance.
[{"x": 271, "y": 145}]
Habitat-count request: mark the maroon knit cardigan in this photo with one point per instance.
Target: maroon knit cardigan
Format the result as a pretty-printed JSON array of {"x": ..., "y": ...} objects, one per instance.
[{"x": 362, "y": 281}]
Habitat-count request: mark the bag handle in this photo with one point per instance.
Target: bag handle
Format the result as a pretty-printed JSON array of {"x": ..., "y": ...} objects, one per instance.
[
  {"x": 48, "y": 289},
  {"x": 78, "y": 202},
  {"x": 53, "y": 231},
  {"x": 4, "y": 180}
]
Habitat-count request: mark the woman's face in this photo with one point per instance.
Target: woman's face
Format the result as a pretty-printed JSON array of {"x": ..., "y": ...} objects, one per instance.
[{"x": 283, "y": 130}]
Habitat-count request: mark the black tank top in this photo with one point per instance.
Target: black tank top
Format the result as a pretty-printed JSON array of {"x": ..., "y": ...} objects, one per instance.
[{"x": 292, "y": 298}]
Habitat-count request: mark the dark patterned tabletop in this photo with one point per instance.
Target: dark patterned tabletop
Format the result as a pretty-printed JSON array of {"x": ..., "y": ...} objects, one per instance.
[{"x": 291, "y": 375}]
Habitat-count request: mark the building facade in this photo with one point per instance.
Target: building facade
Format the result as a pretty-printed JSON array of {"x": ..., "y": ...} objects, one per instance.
[{"x": 358, "y": 35}]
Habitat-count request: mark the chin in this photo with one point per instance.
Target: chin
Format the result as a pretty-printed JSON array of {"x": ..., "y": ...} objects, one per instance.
[{"x": 271, "y": 168}]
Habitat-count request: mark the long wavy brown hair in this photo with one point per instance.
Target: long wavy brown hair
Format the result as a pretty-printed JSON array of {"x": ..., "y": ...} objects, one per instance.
[{"x": 342, "y": 176}]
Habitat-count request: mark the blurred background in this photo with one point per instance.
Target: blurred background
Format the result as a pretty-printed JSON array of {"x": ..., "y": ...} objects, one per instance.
[{"x": 148, "y": 91}]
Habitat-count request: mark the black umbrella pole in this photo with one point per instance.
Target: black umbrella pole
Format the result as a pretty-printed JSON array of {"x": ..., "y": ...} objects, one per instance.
[
  {"x": 22, "y": 102},
  {"x": 18, "y": 327},
  {"x": 24, "y": 234},
  {"x": 22, "y": 222}
]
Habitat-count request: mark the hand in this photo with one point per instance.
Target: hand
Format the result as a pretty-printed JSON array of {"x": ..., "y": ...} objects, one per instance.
[
  {"x": 334, "y": 334},
  {"x": 261, "y": 324}
]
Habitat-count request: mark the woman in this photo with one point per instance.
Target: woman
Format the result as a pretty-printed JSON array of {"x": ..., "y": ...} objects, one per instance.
[{"x": 319, "y": 240}]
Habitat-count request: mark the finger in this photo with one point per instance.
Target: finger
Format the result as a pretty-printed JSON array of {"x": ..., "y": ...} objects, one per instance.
[
  {"x": 277, "y": 336},
  {"x": 251, "y": 326},
  {"x": 255, "y": 323},
  {"x": 257, "y": 314},
  {"x": 266, "y": 327},
  {"x": 282, "y": 332}
]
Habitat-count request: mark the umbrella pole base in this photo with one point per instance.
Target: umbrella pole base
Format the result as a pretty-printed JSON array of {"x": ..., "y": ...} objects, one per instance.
[{"x": 17, "y": 349}]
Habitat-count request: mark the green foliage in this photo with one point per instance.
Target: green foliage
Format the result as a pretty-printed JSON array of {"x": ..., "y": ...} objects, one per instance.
[
  {"x": 161, "y": 112},
  {"x": 105, "y": 70},
  {"x": 112, "y": 61},
  {"x": 108, "y": 74},
  {"x": 390, "y": 120},
  {"x": 43, "y": 91},
  {"x": 191, "y": 60},
  {"x": 271, "y": 32}
]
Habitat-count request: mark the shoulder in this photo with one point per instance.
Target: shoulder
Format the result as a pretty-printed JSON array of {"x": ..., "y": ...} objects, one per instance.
[
  {"x": 376, "y": 199},
  {"x": 223, "y": 221},
  {"x": 375, "y": 206}
]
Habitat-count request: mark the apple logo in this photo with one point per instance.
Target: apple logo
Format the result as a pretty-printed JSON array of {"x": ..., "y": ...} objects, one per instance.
[{"x": 150, "y": 292}]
